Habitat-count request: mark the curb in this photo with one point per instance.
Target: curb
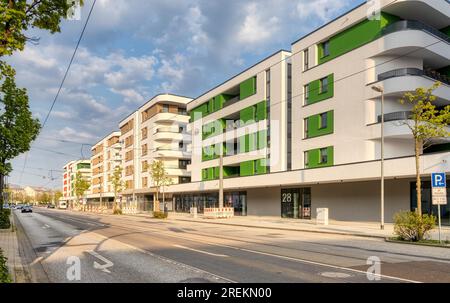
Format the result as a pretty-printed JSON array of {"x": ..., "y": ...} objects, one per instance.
[
  {"x": 290, "y": 229},
  {"x": 416, "y": 243}
]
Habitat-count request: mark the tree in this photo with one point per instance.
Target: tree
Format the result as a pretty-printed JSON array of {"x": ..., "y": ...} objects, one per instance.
[
  {"x": 18, "y": 16},
  {"x": 81, "y": 185},
  {"x": 425, "y": 123},
  {"x": 56, "y": 196},
  {"x": 117, "y": 184},
  {"x": 159, "y": 176},
  {"x": 17, "y": 126}
]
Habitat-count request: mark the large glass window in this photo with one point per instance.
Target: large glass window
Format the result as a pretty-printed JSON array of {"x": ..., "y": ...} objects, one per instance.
[
  {"x": 296, "y": 203},
  {"x": 427, "y": 205},
  {"x": 323, "y": 121},
  {"x": 326, "y": 48},
  {"x": 237, "y": 200},
  {"x": 324, "y": 85},
  {"x": 323, "y": 155}
]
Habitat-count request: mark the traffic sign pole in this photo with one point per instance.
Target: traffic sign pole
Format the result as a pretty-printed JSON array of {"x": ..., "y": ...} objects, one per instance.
[{"x": 439, "y": 218}]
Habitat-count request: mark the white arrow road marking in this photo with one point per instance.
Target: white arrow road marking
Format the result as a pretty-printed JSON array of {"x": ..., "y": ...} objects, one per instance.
[
  {"x": 103, "y": 267},
  {"x": 46, "y": 226},
  {"x": 200, "y": 251}
]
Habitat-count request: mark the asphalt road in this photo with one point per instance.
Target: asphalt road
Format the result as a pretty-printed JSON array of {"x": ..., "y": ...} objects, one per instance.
[{"x": 139, "y": 249}]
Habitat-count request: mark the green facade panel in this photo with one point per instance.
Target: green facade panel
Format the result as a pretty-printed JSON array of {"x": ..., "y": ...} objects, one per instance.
[
  {"x": 355, "y": 36},
  {"x": 261, "y": 111},
  {"x": 247, "y": 88},
  {"x": 213, "y": 128},
  {"x": 262, "y": 139},
  {"x": 314, "y": 125},
  {"x": 314, "y": 90},
  {"x": 252, "y": 142},
  {"x": 261, "y": 166},
  {"x": 230, "y": 171},
  {"x": 247, "y": 168},
  {"x": 314, "y": 160},
  {"x": 247, "y": 115},
  {"x": 199, "y": 112}
]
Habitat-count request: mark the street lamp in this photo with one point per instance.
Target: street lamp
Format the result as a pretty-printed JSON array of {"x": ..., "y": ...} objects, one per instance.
[{"x": 380, "y": 90}]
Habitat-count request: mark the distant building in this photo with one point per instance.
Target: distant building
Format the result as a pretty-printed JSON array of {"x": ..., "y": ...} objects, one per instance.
[{"x": 70, "y": 171}]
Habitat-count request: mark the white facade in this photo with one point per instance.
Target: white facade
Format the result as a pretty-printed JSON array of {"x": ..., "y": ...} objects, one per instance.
[
  {"x": 156, "y": 131},
  {"x": 331, "y": 81}
]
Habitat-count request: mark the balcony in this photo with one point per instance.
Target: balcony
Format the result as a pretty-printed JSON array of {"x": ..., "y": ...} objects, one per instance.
[
  {"x": 169, "y": 117},
  {"x": 395, "y": 116},
  {"x": 401, "y": 72},
  {"x": 399, "y": 81},
  {"x": 414, "y": 25}
]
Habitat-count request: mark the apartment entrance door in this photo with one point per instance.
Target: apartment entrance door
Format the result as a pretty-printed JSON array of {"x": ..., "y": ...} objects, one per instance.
[{"x": 296, "y": 203}]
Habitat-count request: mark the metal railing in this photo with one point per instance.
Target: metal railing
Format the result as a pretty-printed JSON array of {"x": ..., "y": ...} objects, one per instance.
[
  {"x": 395, "y": 116},
  {"x": 414, "y": 72},
  {"x": 414, "y": 25}
]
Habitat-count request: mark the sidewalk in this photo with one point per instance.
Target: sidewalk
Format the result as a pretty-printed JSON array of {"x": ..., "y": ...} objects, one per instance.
[
  {"x": 10, "y": 247},
  {"x": 363, "y": 229}
]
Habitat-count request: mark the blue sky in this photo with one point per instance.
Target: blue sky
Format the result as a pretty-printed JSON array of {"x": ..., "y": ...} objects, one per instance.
[{"x": 135, "y": 49}]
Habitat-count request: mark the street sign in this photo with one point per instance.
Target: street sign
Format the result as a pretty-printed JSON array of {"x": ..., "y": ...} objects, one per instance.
[
  {"x": 439, "y": 194},
  {"x": 438, "y": 189}
]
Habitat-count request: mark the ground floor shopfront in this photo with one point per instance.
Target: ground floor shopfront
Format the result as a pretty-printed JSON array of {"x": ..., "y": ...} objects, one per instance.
[{"x": 346, "y": 201}]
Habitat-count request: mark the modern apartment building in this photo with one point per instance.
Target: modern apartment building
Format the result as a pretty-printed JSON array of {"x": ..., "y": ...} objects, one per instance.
[
  {"x": 106, "y": 156},
  {"x": 300, "y": 130},
  {"x": 156, "y": 131},
  {"x": 70, "y": 171}
]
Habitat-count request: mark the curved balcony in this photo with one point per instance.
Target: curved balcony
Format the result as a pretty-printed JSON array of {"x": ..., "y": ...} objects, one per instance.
[
  {"x": 168, "y": 136},
  {"x": 169, "y": 117},
  {"x": 395, "y": 116},
  {"x": 170, "y": 152},
  {"x": 423, "y": 40},
  {"x": 414, "y": 72},
  {"x": 414, "y": 25},
  {"x": 399, "y": 81}
]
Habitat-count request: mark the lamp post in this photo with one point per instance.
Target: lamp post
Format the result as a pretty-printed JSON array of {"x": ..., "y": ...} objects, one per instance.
[{"x": 380, "y": 90}]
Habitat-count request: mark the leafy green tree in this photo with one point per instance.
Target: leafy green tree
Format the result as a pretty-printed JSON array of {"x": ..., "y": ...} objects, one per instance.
[
  {"x": 81, "y": 185},
  {"x": 56, "y": 196},
  {"x": 118, "y": 186},
  {"x": 425, "y": 123},
  {"x": 159, "y": 176},
  {"x": 17, "y": 126},
  {"x": 18, "y": 16}
]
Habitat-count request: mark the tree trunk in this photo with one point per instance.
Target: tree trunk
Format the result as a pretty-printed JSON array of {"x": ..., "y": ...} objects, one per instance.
[
  {"x": 418, "y": 181},
  {"x": 1, "y": 191}
]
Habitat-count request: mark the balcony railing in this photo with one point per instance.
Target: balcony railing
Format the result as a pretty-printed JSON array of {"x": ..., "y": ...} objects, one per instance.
[
  {"x": 414, "y": 25},
  {"x": 414, "y": 72},
  {"x": 395, "y": 116},
  {"x": 167, "y": 130}
]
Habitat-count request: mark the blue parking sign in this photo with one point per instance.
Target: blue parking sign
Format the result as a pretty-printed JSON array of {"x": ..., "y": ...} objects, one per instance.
[{"x": 438, "y": 180}]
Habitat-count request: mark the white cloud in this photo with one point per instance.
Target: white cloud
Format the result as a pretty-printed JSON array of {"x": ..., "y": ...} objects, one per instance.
[
  {"x": 324, "y": 9},
  {"x": 257, "y": 27}
]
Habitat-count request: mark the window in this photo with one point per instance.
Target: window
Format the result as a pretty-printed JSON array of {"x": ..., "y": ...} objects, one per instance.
[
  {"x": 144, "y": 133},
  {"x": 184, "y": 179},
  {"x": 326, "y": 48},
  {"x": 183, "y": 163},
  {"x": 323, "y": 154},
  {"x": 323, "y": 120},
  {"x": 306, "y": 93},
  {"x": 306, "y": 159},
  {"x": 181, "y": 145},
  {"x": 305, "y": 127},
  {"x": 182, "y": 111},
  {"x": 144, "y": 166},
  {"x": 165, "y": 108},
  {"x": 305, "y": 59},
  {"x": 180, "y": 129},
  {"x": 268, "y": 84},
  {"x": 323, "y": 85},
  {"x": 144, "y": 149}
]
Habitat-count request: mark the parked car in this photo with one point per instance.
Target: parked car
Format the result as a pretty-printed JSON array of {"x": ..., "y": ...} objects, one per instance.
[
  {"x": 50, "y": 206},
  {"x": 19, "y": 207},
  {"x": 27, "y": 209}
]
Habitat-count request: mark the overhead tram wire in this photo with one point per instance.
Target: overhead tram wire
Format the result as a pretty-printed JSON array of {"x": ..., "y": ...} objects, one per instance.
[
  {"x": 334, "y": 81},
  {"x": 63, "y": 80}
]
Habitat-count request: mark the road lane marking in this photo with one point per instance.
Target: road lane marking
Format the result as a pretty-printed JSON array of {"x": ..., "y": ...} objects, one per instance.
[
  {"x": 285, "y": 257},
  {"x": 103, "y": 267},
  {"x": 200, "y": 251},
  {"x": 46, "y": 226},
  {"x": 36, "y": 261}
]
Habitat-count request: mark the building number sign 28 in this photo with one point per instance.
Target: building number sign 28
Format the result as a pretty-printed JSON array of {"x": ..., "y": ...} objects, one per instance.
[{"x": 287, "y": 197}]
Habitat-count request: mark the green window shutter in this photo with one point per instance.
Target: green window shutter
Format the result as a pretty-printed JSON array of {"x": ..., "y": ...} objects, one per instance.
[
  {"x": 242, "y": 144},
  {"x": 262, "y": 139},
  {"x": 247, "y": 115},
  {"x": 247, "y": 88},
  {"x": 247, "y": 168},
  {"x": 261, "y": 111},
  {"x": 355, "y": 36},
  {"x": 314, "y": 160},
  {"x": 261, "y": 166},
  {"x": 252, "y": 142},
  {"x": 210, "y": 173},
  {"x": 314, "y": 129},
  {"x": 314, "y": 93},
  {"x": 200, "y": 111},
  {"x": 204, "y": 174},
  {"x": 216, "y": 172}
]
